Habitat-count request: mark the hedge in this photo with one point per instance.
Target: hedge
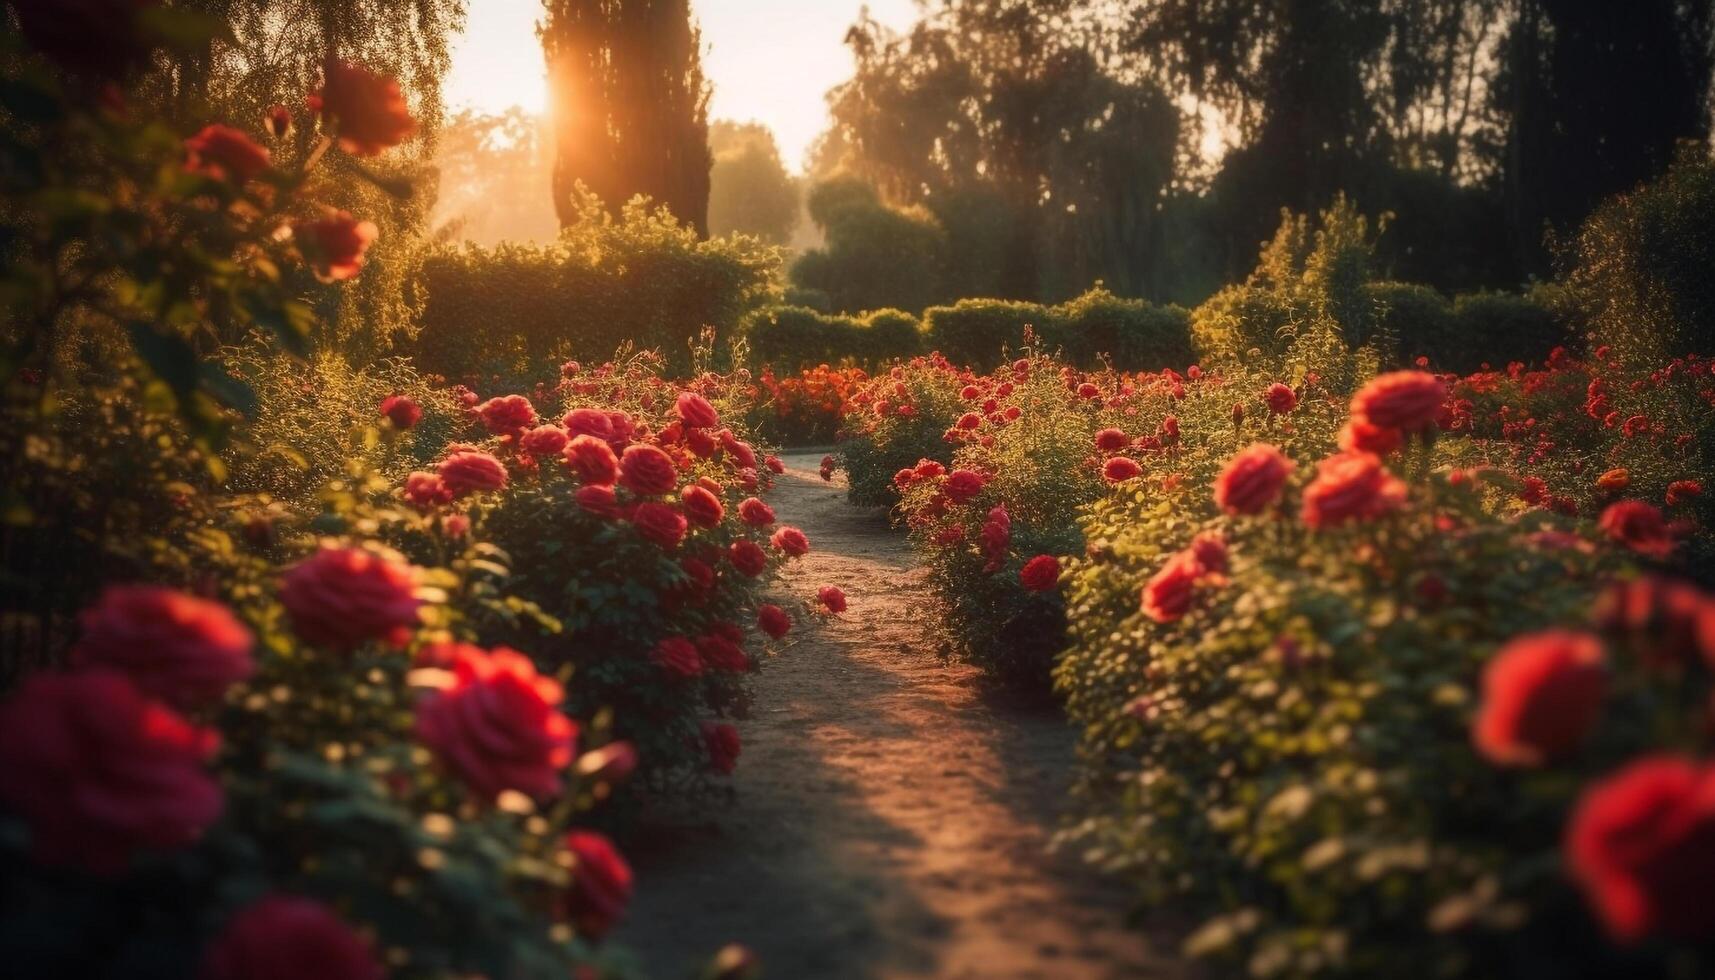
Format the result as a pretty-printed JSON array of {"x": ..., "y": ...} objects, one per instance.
[
  {"x": 790, "y": 338},
  {"x": 640, "y": 278}
]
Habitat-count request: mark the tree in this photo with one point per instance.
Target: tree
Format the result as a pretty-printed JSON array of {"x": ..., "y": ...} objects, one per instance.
[
  {"x": 750, "y": 191},
  {"x": 1595, "y": 96},
  {"x": 876, "y": 256},
  {"x": 1045, "y": 167},
  {"x": 493, "y": 171},
  {"x": 629, "y": 104}
]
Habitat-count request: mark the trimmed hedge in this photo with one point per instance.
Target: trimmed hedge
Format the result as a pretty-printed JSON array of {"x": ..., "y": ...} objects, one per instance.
[
  {"x": 1134, "y": 334},
  {"x": 641, "y": 278},
  {"x": 791, "y": 338},
  {"x": 976, "y": 332}
]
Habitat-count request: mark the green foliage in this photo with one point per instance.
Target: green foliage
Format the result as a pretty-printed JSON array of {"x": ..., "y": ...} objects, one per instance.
[
  {"x": 750, "y": 192},
  {"x": 640, "y": 278},
  {"x": 875, "y": 255},
  {"x": 1132, "y": 334},
  {"x": 979, "y": 332},
  {"x": 1497, "y": 329},
  {"x": 1642, "y": 264},
  {"x": 792, "y": 338}
]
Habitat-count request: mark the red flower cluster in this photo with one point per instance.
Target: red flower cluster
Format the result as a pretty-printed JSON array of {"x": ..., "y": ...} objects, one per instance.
[
  {"x": 364, "y": 110},
  {"x": 498, "y": 726},
  {"x": 174, "y": 647},
  {"x": 343, "y": 597},
  {"x": 283, "y": 937},
  {"x": 99, "y": 772},
  {"x": 1542, "y": 694}
]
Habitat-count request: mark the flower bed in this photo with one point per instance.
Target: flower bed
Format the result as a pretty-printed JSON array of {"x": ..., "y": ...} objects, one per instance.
[{"x": 1349, "y": 668}]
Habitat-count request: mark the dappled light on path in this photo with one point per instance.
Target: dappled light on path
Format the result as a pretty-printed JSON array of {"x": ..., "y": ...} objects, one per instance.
[{"x": 892, "y": 816}]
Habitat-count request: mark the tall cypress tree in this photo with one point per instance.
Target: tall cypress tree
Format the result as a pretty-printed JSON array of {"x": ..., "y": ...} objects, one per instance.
[{"x": 629, "y": 103}]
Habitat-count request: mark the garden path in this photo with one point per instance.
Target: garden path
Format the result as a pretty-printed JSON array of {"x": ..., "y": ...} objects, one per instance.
[{"x": 891, "y": 812}]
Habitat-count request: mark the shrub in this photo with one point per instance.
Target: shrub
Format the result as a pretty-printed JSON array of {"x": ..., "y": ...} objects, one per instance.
[
  {"x": 1132, "y": 334},
  {"x": 792, "y": 337},
  {"x": 1239, "y": 319},
  {"x": 1417, "y": 319},
  {"x": 1497, "y": 329},
  {"x": 640, "y": 279},
  {"x": 875, "y": 255},
  {"x": 1642, "y": 260},
  {"x": 803, "y": 409},
  {"x": 886, "y": 335},
  {"x": 979, "y": 332}
]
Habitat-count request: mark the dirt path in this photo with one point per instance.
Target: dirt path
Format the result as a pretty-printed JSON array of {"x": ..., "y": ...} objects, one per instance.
[{"x": 891, "y": 817}]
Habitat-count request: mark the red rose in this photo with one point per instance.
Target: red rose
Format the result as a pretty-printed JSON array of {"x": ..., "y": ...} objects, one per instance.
[
  {"x": 771, "y": 619},
  {"x": 774, "y": 464},
  {"x": 648, "y": 471},
  {"x": 739, "y": 449},
  {"x": 1350, "y": 487},
  {"x": 1088, "y": 391},
  {"x": 544, "y": 441},
  {"x": 283, "y": 937},
  {"x": 748, "y": 557},
  {"x": 1681, "y": 491},
  {"x": 1409, "y": 401},
  {"x": 755, "y": 513},
  {"x": 695, "y": 411},
  {"x": 791, "y": 541},
  {"x": 677, "y": 656},
  {"x": 507, "y": 415},
  {"x": 334, "y": 246},
  {"x": 1040, "y": 574},
  {"x": 1168, "y": 594},
  {"x": 1120, "y": 469},
  {"x": 1111, "y": 440},
  {"x": 1280, "y": 398},
  {"x": 1638, "y": 526},
  {"x": 722, "y": 652},
  {"x": 365, "y": 110},
  {"x": 592, "y": 459},
  {"x": 962, "y": 485},
  {"x": 1210, "y": 550},
  {"x": 1542, "y": 694},
  {"x": 498, "y": 727},
  {"x": 623, "y": 427},
  {"x": 701, "y": 443},
  {"x": 589, "y": 422},
  {"x": 224, "y": 153},
  {"x": 471, "y": 471},
  {"x": 342, "y": 597},
  {"x": 99, "y": 772},
  {"x": 1359, "y": 436},
  {"x": 722, "y": 743},
  {"x": 599, "y": 499},
  {"x": 173, "y": 646},
  {"x": 832, "y": 599},
  {"x": 1641, "y": 843},
  {"x": 277, "y": 120},
  {"x": 702, "y": 507},
  {"x": 402, "y": 411},
  {"x": 659, "y": 523},
  {"x": 928, "y": 469},
  {"x": 1674, "y": 620},
  {"x": 601, "y": 884},
  {"x": 701, "y": 576},
  {"x": 1252, "y": 480}
]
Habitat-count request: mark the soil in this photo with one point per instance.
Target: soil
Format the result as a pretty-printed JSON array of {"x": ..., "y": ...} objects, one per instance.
[{"x": 892, "y": 812}]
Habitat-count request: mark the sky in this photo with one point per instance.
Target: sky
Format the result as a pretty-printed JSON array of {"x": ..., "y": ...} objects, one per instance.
[{"x": 768, "y": 60}]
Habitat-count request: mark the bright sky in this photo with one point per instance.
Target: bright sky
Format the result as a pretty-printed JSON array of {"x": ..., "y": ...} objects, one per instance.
[{"x": 769, "y": 60}]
